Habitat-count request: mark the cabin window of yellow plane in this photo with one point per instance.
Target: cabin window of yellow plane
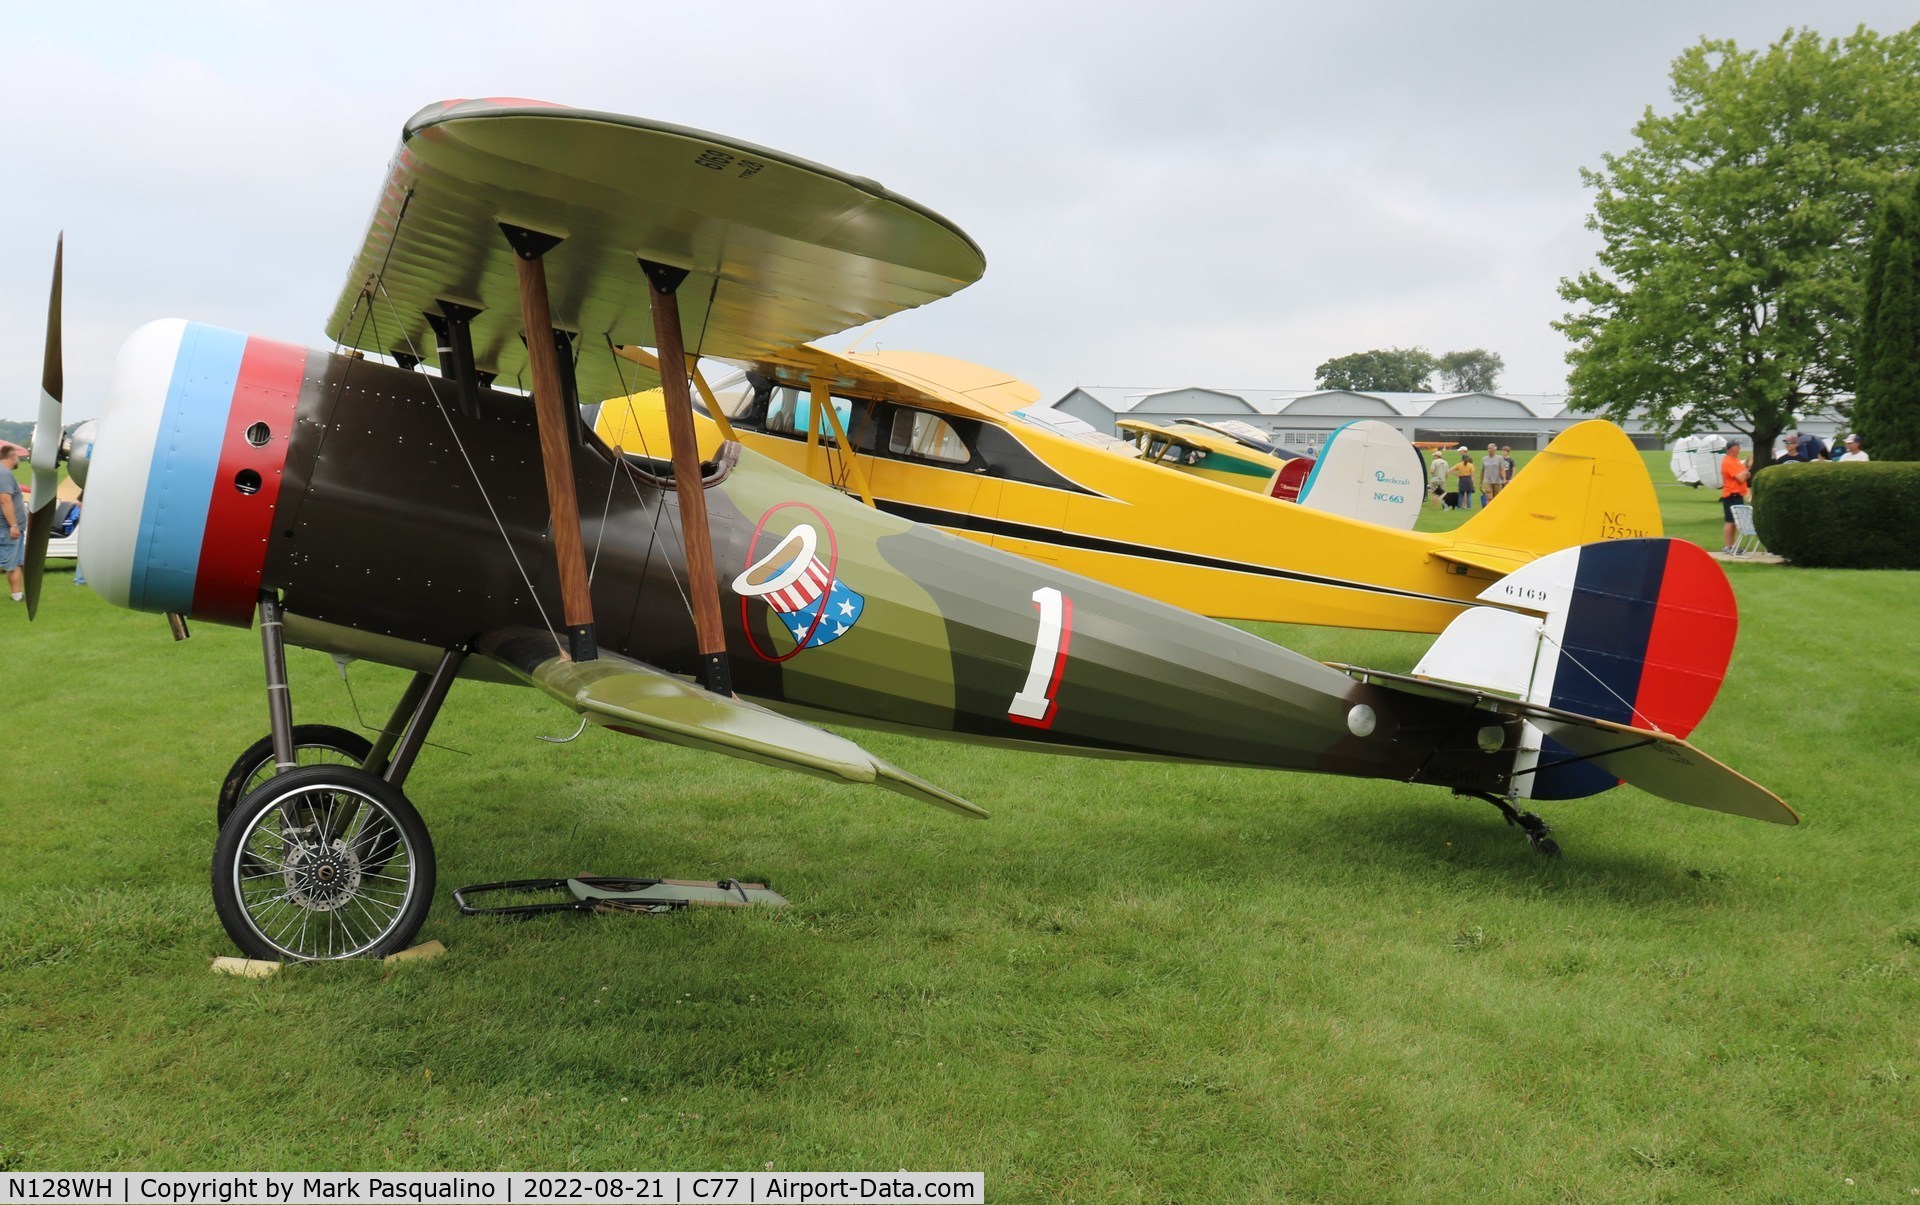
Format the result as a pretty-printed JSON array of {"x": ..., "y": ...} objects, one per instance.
[
  {"x": 927, "y": 436},
  {"x": 791, "y": 413},
  {"x": 735, "y": 394}
]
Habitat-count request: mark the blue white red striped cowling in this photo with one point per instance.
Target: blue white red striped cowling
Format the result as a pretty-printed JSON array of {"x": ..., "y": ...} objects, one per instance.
[{"x": 186, "y": 469}]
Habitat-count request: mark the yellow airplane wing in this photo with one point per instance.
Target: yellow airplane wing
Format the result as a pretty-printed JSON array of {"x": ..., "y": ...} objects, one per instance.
[{"x": 914, "y": 378}]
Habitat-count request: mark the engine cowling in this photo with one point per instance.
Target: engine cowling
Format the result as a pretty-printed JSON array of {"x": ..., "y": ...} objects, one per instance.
[{"x": 187, "y": 467}]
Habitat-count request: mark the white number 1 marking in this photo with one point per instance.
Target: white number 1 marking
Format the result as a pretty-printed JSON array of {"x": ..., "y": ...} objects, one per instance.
[{"x": 1035, "y": 705}]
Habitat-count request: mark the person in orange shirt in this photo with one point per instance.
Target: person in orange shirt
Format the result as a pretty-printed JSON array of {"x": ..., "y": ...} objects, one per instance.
[{"x": 1733, "y": 488}]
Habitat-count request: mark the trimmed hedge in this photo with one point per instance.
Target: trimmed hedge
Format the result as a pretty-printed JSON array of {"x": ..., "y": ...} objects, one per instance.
[{"x": 1840, "y": 516}]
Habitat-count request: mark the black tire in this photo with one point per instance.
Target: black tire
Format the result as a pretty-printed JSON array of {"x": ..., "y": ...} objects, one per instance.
[
  {"x": 323, "y": 862},
  {"x": 313, "y": 745}
]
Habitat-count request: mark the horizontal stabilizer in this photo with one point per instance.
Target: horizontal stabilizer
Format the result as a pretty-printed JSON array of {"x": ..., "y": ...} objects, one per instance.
[
  {"x": 1484, "y": 557},
  {"x": 1668, "y": 767},
  {"x": 1656, "y": 762},
  {"x": 635, "y": 698}
]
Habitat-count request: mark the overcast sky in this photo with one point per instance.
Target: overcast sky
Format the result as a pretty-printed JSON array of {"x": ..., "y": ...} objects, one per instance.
[{"x": 1202, "y": 193}]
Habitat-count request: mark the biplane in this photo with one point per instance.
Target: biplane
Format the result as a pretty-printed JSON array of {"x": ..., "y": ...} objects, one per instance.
[
  {"x": 958, "y": 446},
  {"x": 467, "y": 524}
]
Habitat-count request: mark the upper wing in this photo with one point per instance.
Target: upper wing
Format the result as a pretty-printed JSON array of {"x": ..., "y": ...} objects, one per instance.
[
  {"x": 629, "y": 696},
  {"x": 780, "y": 250}
]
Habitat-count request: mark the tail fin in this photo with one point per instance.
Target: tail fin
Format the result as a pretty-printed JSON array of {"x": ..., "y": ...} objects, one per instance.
[
  {"x": 1590, "y": 484},
  {"x": 1368, "y": 471},
  {"x": 1632, "y": 634}
]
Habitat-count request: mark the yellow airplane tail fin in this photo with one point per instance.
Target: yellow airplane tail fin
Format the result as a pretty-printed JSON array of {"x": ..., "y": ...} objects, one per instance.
[{"x": 1589, "y": 484}]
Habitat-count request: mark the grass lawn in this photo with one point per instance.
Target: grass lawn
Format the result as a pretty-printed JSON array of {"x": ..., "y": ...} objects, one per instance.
[{"x": 1138, "y": 982}]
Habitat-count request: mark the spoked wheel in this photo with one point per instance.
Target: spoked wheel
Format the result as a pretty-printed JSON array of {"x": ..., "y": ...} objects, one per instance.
[
  {"x": 313, "y": 745},
  {"x": 323, "y": 862}
]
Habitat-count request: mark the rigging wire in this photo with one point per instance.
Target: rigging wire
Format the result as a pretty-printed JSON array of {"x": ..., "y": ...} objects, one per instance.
[
  {"x": 1632, "y": 711},
  {"x": 660, "y": 507},
  {"x": 340, "y": 664},
  {"x": 479, "y": 483},
  {"x": 372, "y": 319},
  {"x": 677, "y": 525}
]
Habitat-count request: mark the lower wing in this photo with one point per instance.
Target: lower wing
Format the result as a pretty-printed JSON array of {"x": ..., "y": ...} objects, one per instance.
[{"x": 635, "y": 698}]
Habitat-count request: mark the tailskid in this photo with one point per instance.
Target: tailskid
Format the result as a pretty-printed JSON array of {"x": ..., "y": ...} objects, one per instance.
[{"x": 1533, "y": 826}]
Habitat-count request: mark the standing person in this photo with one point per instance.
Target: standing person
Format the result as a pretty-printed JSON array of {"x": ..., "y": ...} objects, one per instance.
[
  {"x": 1463, "y": 479},
  {"x": 1437, "y": 480},
  {"x": 1493, "y": 475},
  {"x": 13, "y": 522},
  {"x": 1853, "y": 451},
  {"x": 1734, "y": 489}
]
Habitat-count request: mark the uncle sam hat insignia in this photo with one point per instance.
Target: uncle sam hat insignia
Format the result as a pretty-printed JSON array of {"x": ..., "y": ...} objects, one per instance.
[{"x": 814, "y": 606}]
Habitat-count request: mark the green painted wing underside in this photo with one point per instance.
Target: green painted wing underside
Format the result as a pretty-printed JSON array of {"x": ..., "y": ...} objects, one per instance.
[
  {"x": 630, "y": 696},
  {"x": 779, "y": 250}
]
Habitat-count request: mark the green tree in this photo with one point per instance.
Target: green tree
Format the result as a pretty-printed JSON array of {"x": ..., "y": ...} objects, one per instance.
[
  {"x": 1886, "y": 406},
  {"x": 1474, "y": 371},
  {"x": 1382, "y": 370},
  {"x": 1734, "y": 235}
]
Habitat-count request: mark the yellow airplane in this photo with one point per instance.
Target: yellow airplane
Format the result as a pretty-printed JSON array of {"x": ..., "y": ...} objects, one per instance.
[{"x": 944, "y": 442}]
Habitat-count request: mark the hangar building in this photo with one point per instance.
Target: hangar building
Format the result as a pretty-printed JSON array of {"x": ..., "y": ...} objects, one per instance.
[{"x": 1304, "y": 418}]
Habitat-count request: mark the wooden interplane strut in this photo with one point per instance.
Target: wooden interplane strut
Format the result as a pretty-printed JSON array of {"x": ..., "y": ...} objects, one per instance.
[
  {"x": 556, "y": 449},
  {"x": 702, "y": 581}
]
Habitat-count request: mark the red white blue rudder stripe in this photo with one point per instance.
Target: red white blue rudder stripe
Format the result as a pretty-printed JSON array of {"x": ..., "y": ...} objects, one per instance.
[
  {"x": 187, "y": 469},
  {"x": 1637, "y": 632}
]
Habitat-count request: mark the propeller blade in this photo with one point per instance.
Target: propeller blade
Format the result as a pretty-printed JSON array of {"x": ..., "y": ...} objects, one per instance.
[{"x": 45, "y": 452}]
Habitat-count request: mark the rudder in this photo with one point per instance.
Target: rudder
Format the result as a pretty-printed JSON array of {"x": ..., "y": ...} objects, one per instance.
[{"x": 1633, "y": 632}]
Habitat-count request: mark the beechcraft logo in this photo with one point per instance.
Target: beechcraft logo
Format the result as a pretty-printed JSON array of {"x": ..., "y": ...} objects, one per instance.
[{"x": 803, "y": 591}]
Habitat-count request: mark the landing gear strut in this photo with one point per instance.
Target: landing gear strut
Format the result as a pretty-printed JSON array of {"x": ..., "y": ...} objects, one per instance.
[
  {"x": 319, "y": 860},
  {"x": 1533, "y": 826}
]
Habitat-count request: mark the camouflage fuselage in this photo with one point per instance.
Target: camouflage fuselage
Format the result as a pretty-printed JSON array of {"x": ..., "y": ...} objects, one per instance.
[{"x": 400, "y": 527}]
